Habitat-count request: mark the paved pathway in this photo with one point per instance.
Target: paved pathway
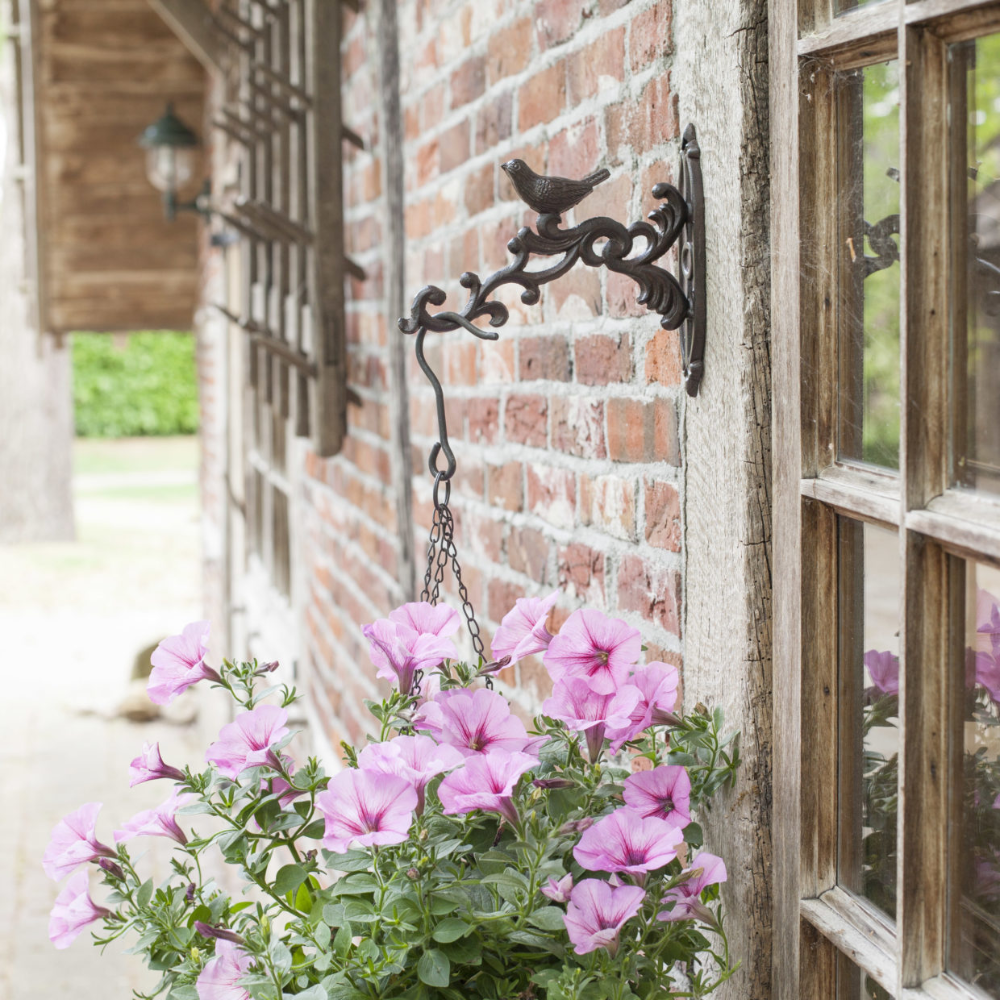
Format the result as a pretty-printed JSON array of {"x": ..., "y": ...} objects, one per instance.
[{"x": 72, "y": 619}]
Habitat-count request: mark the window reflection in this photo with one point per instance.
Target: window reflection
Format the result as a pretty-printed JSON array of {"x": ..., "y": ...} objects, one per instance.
[
  {"x": 976, "y": 836},
  {"x": 868, "y": 278},
  {"x": 868, "y": 711},
  {"x": 975, "y": 110}
]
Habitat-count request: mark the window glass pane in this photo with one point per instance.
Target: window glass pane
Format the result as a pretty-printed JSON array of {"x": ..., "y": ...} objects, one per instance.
[
  {"x": 975, "y": 897},
  {"x": 854, "y": 984},
  {"x": 975, "y": 113},
  {"x": 843, "y": 6},
  {"x": 868, "y": 254},
  {"x": 868, "y": 654}
]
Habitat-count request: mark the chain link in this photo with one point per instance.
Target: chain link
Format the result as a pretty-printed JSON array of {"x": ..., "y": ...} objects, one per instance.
[{"x": 441, "y": 551}]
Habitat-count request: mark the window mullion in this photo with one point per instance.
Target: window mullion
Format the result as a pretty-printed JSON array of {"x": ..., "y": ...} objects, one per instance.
[{"x": 923, "y": 798}]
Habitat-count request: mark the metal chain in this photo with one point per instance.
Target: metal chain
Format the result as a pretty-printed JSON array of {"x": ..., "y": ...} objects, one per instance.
[{"x": 441, "y": 551}]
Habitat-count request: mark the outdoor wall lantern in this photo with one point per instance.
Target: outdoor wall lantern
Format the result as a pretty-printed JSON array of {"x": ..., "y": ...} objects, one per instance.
[
  {"x": 171, "y": 161},
  {"x": 678, "y": 221}
]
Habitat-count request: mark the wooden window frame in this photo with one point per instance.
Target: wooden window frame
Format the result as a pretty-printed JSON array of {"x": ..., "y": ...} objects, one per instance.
[{"x": 819, "y": 925}]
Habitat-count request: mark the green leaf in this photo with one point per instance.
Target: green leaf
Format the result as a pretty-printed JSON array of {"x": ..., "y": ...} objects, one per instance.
[
  {"x": 352, "y": 861},
  {"x": 465, "y": 951},
  {"x": 548, "y": 918},
  {"x": 289, "y": 879},
  {"x": 434, "y": 968},
  {"x": 313, "y": 993},
  {"x": 186, "y": 993},
  {"x": 342, "y": 941},
  {"x": 303, "y": 900},
  {"x": 450, "y": 930},
  {"x": 315, "y": 830},
  {"x": 145, "y": 894}
]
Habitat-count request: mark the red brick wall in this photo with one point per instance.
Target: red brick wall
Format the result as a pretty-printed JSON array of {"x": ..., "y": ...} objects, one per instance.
[{"x": 566, "y": 430}]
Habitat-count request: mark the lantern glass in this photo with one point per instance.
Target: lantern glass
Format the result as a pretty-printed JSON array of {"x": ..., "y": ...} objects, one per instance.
[{"x": 169, "y": 168}]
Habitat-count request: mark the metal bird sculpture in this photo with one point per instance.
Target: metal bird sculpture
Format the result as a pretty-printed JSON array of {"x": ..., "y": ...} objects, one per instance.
[{"x": 550, "y": 195}]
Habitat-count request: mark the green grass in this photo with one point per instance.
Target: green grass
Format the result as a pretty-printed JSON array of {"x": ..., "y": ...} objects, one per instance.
[{"x": 92, "y": 456}]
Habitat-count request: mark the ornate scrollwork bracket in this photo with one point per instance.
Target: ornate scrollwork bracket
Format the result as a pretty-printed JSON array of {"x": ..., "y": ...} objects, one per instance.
[{"x": 599, "y": 242}]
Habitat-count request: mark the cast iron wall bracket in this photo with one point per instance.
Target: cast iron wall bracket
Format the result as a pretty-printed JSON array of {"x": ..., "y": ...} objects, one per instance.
[{"x": 599, "y": 242}]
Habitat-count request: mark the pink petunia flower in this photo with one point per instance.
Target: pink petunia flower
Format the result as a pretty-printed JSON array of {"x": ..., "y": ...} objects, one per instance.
[
  {"x": 597, "y": 912},
  {"x": 220, "y": 978},
  {"x": 558, "y": 892},
  {"x": 73, "y": 910},
  {"x": 575, "y": 703},
  {"x": 427, "y": 619},
  {"x": 399, "y": 652},
  {"x": 158, "y": 822},
  {"x": 74, "y": 842},
  {"x": 591, "y": 645},
  {"x": 481, "y": 722},
  {"x": 664, "y": 792},
  {"x": 247, "y": 742},
  {"x": 657, "y": 683},
  {"x": 179, "y": 662},
  {"x": 486, "y": 782},
  {"x": 522, "y": 630},
  {"x": 884, "y": 670},
  {"x": 366, "y": 808},
  {"x": 416, "y": 759},
  {"x": 987, "y": 622},
  {"x": 627, "y": 841},
  {"x": 705, "y": 870},
  {"x": 149, "y": 766}
]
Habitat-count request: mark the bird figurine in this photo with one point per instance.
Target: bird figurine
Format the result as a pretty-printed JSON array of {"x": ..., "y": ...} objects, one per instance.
[{"x": 550, "y": 195}]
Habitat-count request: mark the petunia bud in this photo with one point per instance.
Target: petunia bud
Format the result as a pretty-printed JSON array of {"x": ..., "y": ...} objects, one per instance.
[
  {"x": 266, "y": 668},
  {"x": 189, "y": 892},
  {"x": 553, "y": 783},
  {"x": 111, "y": 868},
  {"x": 494, "y": 666},
  {"x": 412, "y": 874},
  {"x": 219, "y": 933}
]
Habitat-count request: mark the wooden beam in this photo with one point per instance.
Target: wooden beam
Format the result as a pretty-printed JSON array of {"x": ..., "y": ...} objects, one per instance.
[{"x": 192, "y": 22}]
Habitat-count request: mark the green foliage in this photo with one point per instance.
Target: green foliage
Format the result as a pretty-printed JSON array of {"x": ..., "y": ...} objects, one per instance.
[{"x": 147, "y": 387}]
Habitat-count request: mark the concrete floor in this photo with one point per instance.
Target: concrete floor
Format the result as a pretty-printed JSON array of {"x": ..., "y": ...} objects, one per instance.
[{"x": 72, "y": 619}]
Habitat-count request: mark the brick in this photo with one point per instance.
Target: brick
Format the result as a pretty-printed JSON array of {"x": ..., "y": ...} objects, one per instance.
[
  {"x": 426, "y": 161},
  {"x": 576, "y": 152},
  {"x": 460, "y": 362},
  {"x": 479, "y": 188},
  {"x": 598, "y": 67},
  {"x": 552, "y": 494},
  {"x": 544, "y": 358},
  {"x": 640, "y": 431},
  {"x": 651, "y": 591},
  {"x": 577, "y": 295},
  {"x": 663, "y": 358},
  {"x": 484, "y": 420},
  {"x": 494, "y": 122},
  {"x": 581, "y": 572},
  {"x": 526, "y": 420},
  {"x": 663, "y": 516},
  {"x": 469, "y": 477},
  {"x": 613, "y": 506},
  {"x": 454, "y": 146},
  {"x": 528, "y": 553},
  {"x": 501, "y": 596},
  {"x": 482, "y": 535},
  {"x": 578, "y": 426},
  {"x": 603, "y": 360},
  {"x": 542, "y": 98},
  {"x": 509, "y": 50},
  {"x": 534, "y": 678},
  {"x": 558, "y": 20},
  {"x": 432, "y": 106},
  {"x": 623, "y": 296},
  {"x": 463, "y": 252},
  {"x": 650, "y": 35},
  {"x": 468, "y": 82},
  {"x": 504, "y": 485},
  {"x": 496, "y": 362}
]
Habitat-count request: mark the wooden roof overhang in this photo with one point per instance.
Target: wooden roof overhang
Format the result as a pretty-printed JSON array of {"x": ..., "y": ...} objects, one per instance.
[{"x": 107, "y": 258}]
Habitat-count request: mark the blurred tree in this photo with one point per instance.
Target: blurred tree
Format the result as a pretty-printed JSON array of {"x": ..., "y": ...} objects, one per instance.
[{"x": 36, "y": 413}]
